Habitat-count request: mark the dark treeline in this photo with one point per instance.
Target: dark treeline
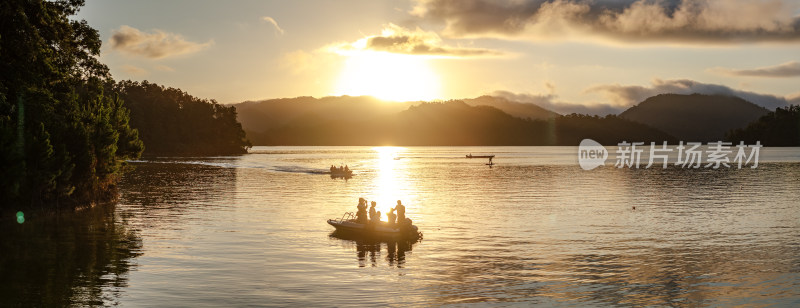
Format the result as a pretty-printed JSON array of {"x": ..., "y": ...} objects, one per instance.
[
  {"x": 67, "y": 128},
  {"x": 455, "y": 123},
  {"x": 68, "y": 259},
  {"x": 63, "y": 136},
  {"x": 778, "y": 128},
  {"x": 172, "y": 122}
]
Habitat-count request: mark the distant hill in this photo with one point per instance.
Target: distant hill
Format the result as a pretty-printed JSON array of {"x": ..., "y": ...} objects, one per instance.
[
  {"x": 778, "y": 128},
  {"x": 260, "y": 116},
  {"x": 517, "y": 109},
  {"x": 452, "y": 123},
  {"x": 607, "y": 130},
  {"x": 695, "y": 117}
]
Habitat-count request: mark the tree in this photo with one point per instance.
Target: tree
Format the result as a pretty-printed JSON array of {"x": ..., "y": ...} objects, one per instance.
[
  {"x": 172, "y": 122},
  {"x": 778, "y": 128},
  {"x": 64, "y": 136}
]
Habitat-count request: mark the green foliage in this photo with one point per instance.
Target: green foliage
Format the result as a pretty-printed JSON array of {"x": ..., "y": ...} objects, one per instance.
[
  {"x": 172, "y": 122},
  {"x": 778, "y": 128},
  {"x": 63, "y": 137}
]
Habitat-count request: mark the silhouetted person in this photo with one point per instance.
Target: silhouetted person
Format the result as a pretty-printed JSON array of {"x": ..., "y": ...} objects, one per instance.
[
  {"x": 376, "y": 219},
  {"x": 392, "y": 218},
  {"x": 401, "y": 213},
  {"x": 372, "y": 210},
  {"x": 361, "y": 215},
  {"x": 346, "y": 168}
]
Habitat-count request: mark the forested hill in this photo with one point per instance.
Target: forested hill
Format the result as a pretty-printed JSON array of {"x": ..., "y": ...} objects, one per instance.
[
  {"x": 455, "y": 123},
  {"x": 260, "y": 116},
  {"x": 777, "y": 128},
  {"x": 172, "y": 122},
  {"x": 517, "y": 109},
  {"x": 695, "y": 117}
]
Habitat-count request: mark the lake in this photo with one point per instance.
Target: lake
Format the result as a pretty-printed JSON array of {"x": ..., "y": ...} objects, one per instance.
[{"x": 534, "y": 228}]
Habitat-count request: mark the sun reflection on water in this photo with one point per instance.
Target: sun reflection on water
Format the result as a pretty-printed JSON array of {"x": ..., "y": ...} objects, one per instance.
[{"x": 392, "y": 180}]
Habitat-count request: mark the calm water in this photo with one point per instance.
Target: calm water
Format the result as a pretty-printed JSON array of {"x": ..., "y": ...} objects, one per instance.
[{"x": 534, "y": 229}]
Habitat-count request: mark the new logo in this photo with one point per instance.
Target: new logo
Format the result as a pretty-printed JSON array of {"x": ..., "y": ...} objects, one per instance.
[{"x": 591, "y": 154}]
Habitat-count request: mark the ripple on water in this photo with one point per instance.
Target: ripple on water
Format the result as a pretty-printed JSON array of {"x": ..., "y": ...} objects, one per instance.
[{"x": 534, "y": 229}]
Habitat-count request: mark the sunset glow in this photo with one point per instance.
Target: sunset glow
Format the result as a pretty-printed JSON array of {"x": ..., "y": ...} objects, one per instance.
[
  {"x": 388, "y": 76},
  {"x": 390, "y": 185},
  {"x": 413, "y": 153}
]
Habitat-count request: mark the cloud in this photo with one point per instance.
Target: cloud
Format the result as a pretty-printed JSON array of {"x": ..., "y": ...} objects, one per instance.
[
  {"x": 396, "y": 39},
  {"x": 274, "y": 23},
  {"x": 626, "y": 96},
  {"x": 788, "y": 69},
  {"x": 156, "y": 45},
  {"x": 621, "y": 97},
  {"x": 633, "y": 21},
  {"x": 133, "y": 70}
]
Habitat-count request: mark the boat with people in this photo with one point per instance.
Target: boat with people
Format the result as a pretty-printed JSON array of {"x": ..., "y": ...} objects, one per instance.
[
  {"x": 341, "y": 171},
  {"x": 359, "y": 225},
  {"x": 347, "y": 224},
  {"x": 479, "y": 156}
]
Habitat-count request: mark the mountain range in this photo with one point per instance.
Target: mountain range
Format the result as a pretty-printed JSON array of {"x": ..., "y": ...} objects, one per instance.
[{"x": 487, "y": 120}]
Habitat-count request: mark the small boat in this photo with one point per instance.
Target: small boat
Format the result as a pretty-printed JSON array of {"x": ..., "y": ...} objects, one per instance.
[
  {"x": 479, "y": 156},
  {"x": 347, "y": 224},
  {"x": 342, "y": 173}
]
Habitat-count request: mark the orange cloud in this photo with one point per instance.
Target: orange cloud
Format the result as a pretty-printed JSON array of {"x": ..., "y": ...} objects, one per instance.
[
  {"x": 396, "y": 39},
  {"x": 156, "y": 45}
]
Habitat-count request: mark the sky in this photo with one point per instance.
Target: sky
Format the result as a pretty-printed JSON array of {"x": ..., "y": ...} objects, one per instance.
[{"x": 596, "y": 57}]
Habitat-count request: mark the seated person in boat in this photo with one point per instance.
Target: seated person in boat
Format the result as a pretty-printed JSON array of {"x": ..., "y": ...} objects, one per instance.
[
  {"x": 372, "y": 210},
  {"x": 392, "y": 218},
  {"x": 346, "y": 168},
  {"x": 377, "y": 218},
  {"x": 361, "y": 215}
]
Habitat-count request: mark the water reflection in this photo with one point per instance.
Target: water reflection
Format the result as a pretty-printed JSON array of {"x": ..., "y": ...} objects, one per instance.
[
  {"x": 391, "y": 182},
  {"x": 344, "y": 177},
  {"x": 80, "y": 259},
  {"x": 532, "y": 230},
  {"x": 158, "y": 195},
  {"x": 368, "y": 251}
]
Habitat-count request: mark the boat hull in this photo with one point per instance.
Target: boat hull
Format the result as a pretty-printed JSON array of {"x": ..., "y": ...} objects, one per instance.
[
  {"x": 480, "y": 156},
  {"x": 381, "y": 230},
  {"x": 342, "y": 174}
]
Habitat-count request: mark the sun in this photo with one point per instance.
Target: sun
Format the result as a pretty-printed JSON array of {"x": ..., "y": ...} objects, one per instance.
[{"x": 388, "y": 76}]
